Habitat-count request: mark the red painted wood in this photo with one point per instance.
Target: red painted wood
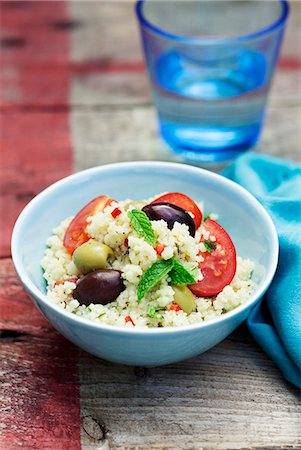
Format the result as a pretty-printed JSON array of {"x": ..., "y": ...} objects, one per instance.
[
  {"x": 17, "y": 311},
  {"x": 37, "y": 76},
  {"x": 35, "y": 69},
  {"x": 289, "y": 63},
  {"x": 107, "y": 66},
  {"x": 110, "y": 66},
  {"x": 40, "y": 392},
  {"x": 36, "y": 152},
  {"x": 35, "y": 146}
]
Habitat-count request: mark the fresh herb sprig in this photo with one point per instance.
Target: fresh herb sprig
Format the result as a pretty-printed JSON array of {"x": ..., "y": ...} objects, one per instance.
[
  {"x": 180, "y": 275},
  {"x": 154, "y": 313},
  {"x": 152, "y": 276},
  {"x": 142, "y": 225},
  {"x": 177, "y": 272},
  {"x": 209, "y": 246}
]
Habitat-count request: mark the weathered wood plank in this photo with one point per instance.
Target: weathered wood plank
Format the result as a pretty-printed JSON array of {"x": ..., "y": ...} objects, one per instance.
[
  {"x": 107, "y": 133},
  {"x": 17, "y": 312},
  {"x": 232, "y": 396},
  {"x": 35, "y": 156},
  {"x": 34, "y": 49},
  {"x": 96, "y": 89},
  {"x": 108, "y": 39},
  {"x": 109, "y": 30},
  {"x": 40, "y": 393},
  {"x": 35, "y": 146},
  {"x": 39, "y": 376},
  {"x": 102, "y": 136},
  {"x": 106, "y": 62},
  {"x": 229, "y": 397}
]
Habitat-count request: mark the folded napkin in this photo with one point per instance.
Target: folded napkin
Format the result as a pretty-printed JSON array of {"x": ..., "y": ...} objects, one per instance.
[{"x": 275, "y": 322}]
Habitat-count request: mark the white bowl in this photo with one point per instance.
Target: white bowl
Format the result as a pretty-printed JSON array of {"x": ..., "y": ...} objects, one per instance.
[{"x": 247, "y": 222}]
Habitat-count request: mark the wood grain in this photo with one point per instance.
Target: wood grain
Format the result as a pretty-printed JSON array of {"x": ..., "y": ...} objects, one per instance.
[
  {"x": 113, "y": 118},
  {"x": 39, "y": 378},
  {"x": 123, "y": 134},
  {"x": 231, "y": 397},
  {"x": 35, "y": 145},
  {"x": 110, "y": 31}
]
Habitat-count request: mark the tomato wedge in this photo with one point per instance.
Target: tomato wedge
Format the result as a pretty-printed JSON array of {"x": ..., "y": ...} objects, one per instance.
[
  {"x": 218, "y": 267},
  {"x": 76, "y": 234},
  {"x": 185, "y": 202}
]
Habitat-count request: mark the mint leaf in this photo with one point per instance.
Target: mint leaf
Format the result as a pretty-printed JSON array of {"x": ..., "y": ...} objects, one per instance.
[
  {"x": 207, "y": 217},
  {"x": 154, "y": 274},
  {"x": 153, "y": 312},
  {"x": 142, "y": 225},
  {"x": 180, "y": 275},
  {"x": 193, "y": 270},
  {"x": 209, "y": 246}
]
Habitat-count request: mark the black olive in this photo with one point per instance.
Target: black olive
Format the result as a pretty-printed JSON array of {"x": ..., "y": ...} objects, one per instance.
[
  {"x": 102, "y": 286},
  {"x": 170, "y": 213}
]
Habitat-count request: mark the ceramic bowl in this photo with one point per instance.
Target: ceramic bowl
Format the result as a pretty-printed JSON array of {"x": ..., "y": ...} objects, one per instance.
[{"x": 244, "y": 218}]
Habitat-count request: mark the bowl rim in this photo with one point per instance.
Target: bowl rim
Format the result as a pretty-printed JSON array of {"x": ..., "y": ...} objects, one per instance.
[{"x": 41, "y": 297}]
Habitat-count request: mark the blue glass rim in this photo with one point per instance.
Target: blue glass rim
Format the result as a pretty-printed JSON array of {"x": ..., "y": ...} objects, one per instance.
[{"x": 214, "y": 40}]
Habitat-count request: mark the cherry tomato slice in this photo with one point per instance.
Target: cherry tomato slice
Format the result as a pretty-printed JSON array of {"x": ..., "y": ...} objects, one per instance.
[
  {"x": 185, "y": 202},
  {"x": 76, "y": 234},
  {"x": 218, "y": 267}
]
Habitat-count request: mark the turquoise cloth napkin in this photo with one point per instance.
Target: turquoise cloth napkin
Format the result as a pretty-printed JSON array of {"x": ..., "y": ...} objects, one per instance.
[{"x": 275, "y": 322}]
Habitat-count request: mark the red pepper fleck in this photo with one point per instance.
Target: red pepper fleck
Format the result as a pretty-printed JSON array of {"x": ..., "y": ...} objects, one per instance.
[
  {"x": 115, "y": 213},
  {"x": 129, "y": 319},
  {"x": 126, "y": 242},
  {"x": 72, "y": 280},
  {"x": 160, "y": 249},
  {"x": 174, "y": 307}
]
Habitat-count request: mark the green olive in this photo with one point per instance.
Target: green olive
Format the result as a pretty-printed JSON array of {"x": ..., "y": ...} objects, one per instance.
[
  {"x": 91, "y": 256},
  {"x": 184, "y": 298}
]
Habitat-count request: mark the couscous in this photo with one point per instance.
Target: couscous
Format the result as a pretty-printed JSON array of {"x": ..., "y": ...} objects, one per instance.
[{"x": 153, "y": 263}]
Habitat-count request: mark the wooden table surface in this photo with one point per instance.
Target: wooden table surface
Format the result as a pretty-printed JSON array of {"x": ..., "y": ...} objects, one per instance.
[{"x": 74, "y": 94}]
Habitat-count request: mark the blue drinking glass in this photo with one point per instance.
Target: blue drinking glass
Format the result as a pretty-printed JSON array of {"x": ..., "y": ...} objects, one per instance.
[{"x": 210, "y": 65}]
